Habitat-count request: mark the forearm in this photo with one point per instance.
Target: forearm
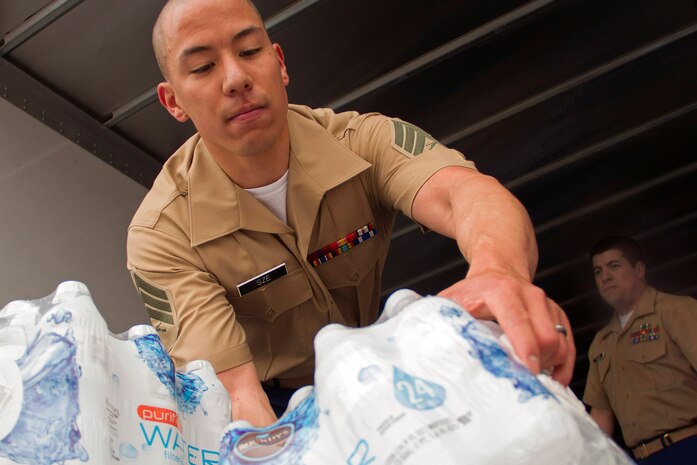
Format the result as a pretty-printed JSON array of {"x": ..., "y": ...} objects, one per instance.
[
  {"x": 492, "y": 228},
  {"x": 605, "y": 419},
  {"x": 249, "y": 401},
  {"x": 496, "y": 237}
]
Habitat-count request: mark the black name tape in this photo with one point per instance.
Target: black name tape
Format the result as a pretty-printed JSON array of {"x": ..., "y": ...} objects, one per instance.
[{"x": 262, "y": 280}]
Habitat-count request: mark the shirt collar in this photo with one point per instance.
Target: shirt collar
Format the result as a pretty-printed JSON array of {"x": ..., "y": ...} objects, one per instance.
[
  {"x": 646, "y": 306},
  {"x": 318, "y": 163}
]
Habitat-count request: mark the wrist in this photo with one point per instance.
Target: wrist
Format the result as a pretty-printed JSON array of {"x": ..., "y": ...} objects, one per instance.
[
  {"x": 499, "y": 267},
  {"x": 489, "y": 256}
]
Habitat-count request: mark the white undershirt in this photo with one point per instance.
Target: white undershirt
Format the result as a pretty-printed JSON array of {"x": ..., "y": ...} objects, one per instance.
[
  {"x": 273, "y": 197},
  {"x": 624, "y": 319}
]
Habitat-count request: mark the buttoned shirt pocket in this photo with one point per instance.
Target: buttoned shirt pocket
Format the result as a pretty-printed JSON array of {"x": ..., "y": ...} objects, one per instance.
[
  {"x": 269, "y": 314},
  {"x": 647, "y": 352},
  {"x": 351, "y": 267},
  {"x": 649, "y": 356}
]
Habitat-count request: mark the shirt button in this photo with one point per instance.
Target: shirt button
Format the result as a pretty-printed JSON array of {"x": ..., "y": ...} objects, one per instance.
[
  {"x": 270, "y": 313},
  {"x": 627, "y": 396},
  {"x": 355, "y": 277}
]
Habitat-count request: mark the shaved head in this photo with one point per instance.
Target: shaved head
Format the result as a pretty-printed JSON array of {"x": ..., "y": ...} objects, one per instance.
[{"x": 160, "y": 32}]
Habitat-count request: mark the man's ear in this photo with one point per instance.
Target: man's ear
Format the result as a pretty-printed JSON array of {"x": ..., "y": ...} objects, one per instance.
[
  {"x": 282, "y": 61},
  {"x": 165, "y": 94},
  {"x": 640, "y": 268}
]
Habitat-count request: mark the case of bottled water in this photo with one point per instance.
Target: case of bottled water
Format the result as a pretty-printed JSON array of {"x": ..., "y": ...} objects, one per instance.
[
  {"x": 72, "y": 392},
  {"x": 426, "y": 384}
]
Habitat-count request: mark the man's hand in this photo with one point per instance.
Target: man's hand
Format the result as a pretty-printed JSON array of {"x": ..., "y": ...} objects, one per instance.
[
  {"x": 526, "y": 316},
  {"x": 249, "y": 401},
  {"x": 496, "y": 237}
]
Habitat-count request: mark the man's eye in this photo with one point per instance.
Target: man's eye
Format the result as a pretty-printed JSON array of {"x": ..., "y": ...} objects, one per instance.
[
  {"x": 202, "y": 69},
  {"x": 250, "y": 52}
]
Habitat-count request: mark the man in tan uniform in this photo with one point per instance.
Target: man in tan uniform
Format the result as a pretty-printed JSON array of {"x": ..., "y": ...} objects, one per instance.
[
  {"x": 644, "y": 362},
  {"x": 274, "y": 220}
]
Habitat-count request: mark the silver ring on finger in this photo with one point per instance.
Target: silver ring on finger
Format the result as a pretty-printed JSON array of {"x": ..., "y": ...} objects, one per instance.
[{"x": 561, "y": 329}]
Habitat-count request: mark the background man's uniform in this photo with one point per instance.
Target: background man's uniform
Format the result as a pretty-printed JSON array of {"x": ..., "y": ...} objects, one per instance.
[
  {"x": 198, "y": 239},
  {"x": 646, "y": 372}
]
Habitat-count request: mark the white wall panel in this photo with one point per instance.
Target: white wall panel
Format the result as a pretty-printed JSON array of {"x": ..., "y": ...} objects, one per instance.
[{"x": 63, "y": 215}]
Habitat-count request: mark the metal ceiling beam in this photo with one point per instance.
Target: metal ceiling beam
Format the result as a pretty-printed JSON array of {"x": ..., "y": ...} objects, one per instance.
[
  {"x": 612, "y": 199},
  {"x": 290, "y": 14},
  {"x": 35, "y": 23},
  {"x": 56, "y": 112},
  {"x": 461, "y": 263},
  {"x": 561, "y": 220},
  {"x": 132, "y": 107},
  {"x": 601, "y": 146},
  {"x": 458, "y": 263},
  {"x": 273, "y": 24},
  {"x": 441, "y": 53},
  {"x": 641, "y": 236},
  {"x": 564, "y": 87},
  {"x": 570, "y": 84}
]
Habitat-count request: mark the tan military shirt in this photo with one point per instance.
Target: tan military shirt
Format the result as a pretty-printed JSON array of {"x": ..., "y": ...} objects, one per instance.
[
  {"x": 645, "y": 372},
  {"x": 223, "y": 279}
]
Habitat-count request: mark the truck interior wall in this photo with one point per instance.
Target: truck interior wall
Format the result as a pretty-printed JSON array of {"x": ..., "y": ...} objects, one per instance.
[{"x": 64, "y": 217}]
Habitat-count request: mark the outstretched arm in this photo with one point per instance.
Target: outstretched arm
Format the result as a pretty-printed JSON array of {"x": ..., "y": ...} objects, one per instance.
[{"x": 495, "y": 235}]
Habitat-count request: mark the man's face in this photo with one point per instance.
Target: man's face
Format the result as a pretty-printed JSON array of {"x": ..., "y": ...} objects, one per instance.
[
  {"x": 226, "y": 75},
  {"x": 620, "y": 283}
]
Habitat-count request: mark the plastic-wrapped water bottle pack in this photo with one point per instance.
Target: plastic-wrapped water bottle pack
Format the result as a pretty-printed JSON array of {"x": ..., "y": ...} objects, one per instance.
[
  {"x": 72, "y": 392},
  {"x": 425, "y": 384}
]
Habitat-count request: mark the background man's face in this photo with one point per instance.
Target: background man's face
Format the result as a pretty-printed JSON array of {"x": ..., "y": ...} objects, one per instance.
[
  {"x": 226, "y": 75},
  {"x": 619, "y": 282}
]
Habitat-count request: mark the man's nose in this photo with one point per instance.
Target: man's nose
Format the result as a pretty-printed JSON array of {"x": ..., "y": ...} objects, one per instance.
[
  {"x": 605, "y": 276},
  {"x": 235, "y": 79}
]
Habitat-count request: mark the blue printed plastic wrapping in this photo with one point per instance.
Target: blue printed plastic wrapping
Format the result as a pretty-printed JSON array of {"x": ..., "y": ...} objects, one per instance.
[
  {"x": 71, "y": 392},
  {"x": 427, "y": 384}
]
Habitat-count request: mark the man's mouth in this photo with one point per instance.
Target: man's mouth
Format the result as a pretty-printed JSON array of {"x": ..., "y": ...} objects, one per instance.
[{"x": 246, "y": 113}]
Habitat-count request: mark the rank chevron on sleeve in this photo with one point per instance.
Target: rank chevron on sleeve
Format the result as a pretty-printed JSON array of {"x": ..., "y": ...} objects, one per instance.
[
  {"x": 411, "y": 139},
  {"x": 155, "y": 299}
]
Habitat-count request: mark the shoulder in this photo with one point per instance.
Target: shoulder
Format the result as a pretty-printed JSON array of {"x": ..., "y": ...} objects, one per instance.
[
  {"x": 170, "y": 184},
  {"x": 347, "y": 126},
  {"x": 369, "y": 132},
  {"x": 337, "y": 124},
  {"x": 165, "y": 208},
  {"x": 670, "y": 304}
]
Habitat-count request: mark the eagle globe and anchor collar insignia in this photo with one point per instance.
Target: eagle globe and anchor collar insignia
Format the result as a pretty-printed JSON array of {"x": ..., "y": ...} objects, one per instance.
[{"x": 646, "y": 333}]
